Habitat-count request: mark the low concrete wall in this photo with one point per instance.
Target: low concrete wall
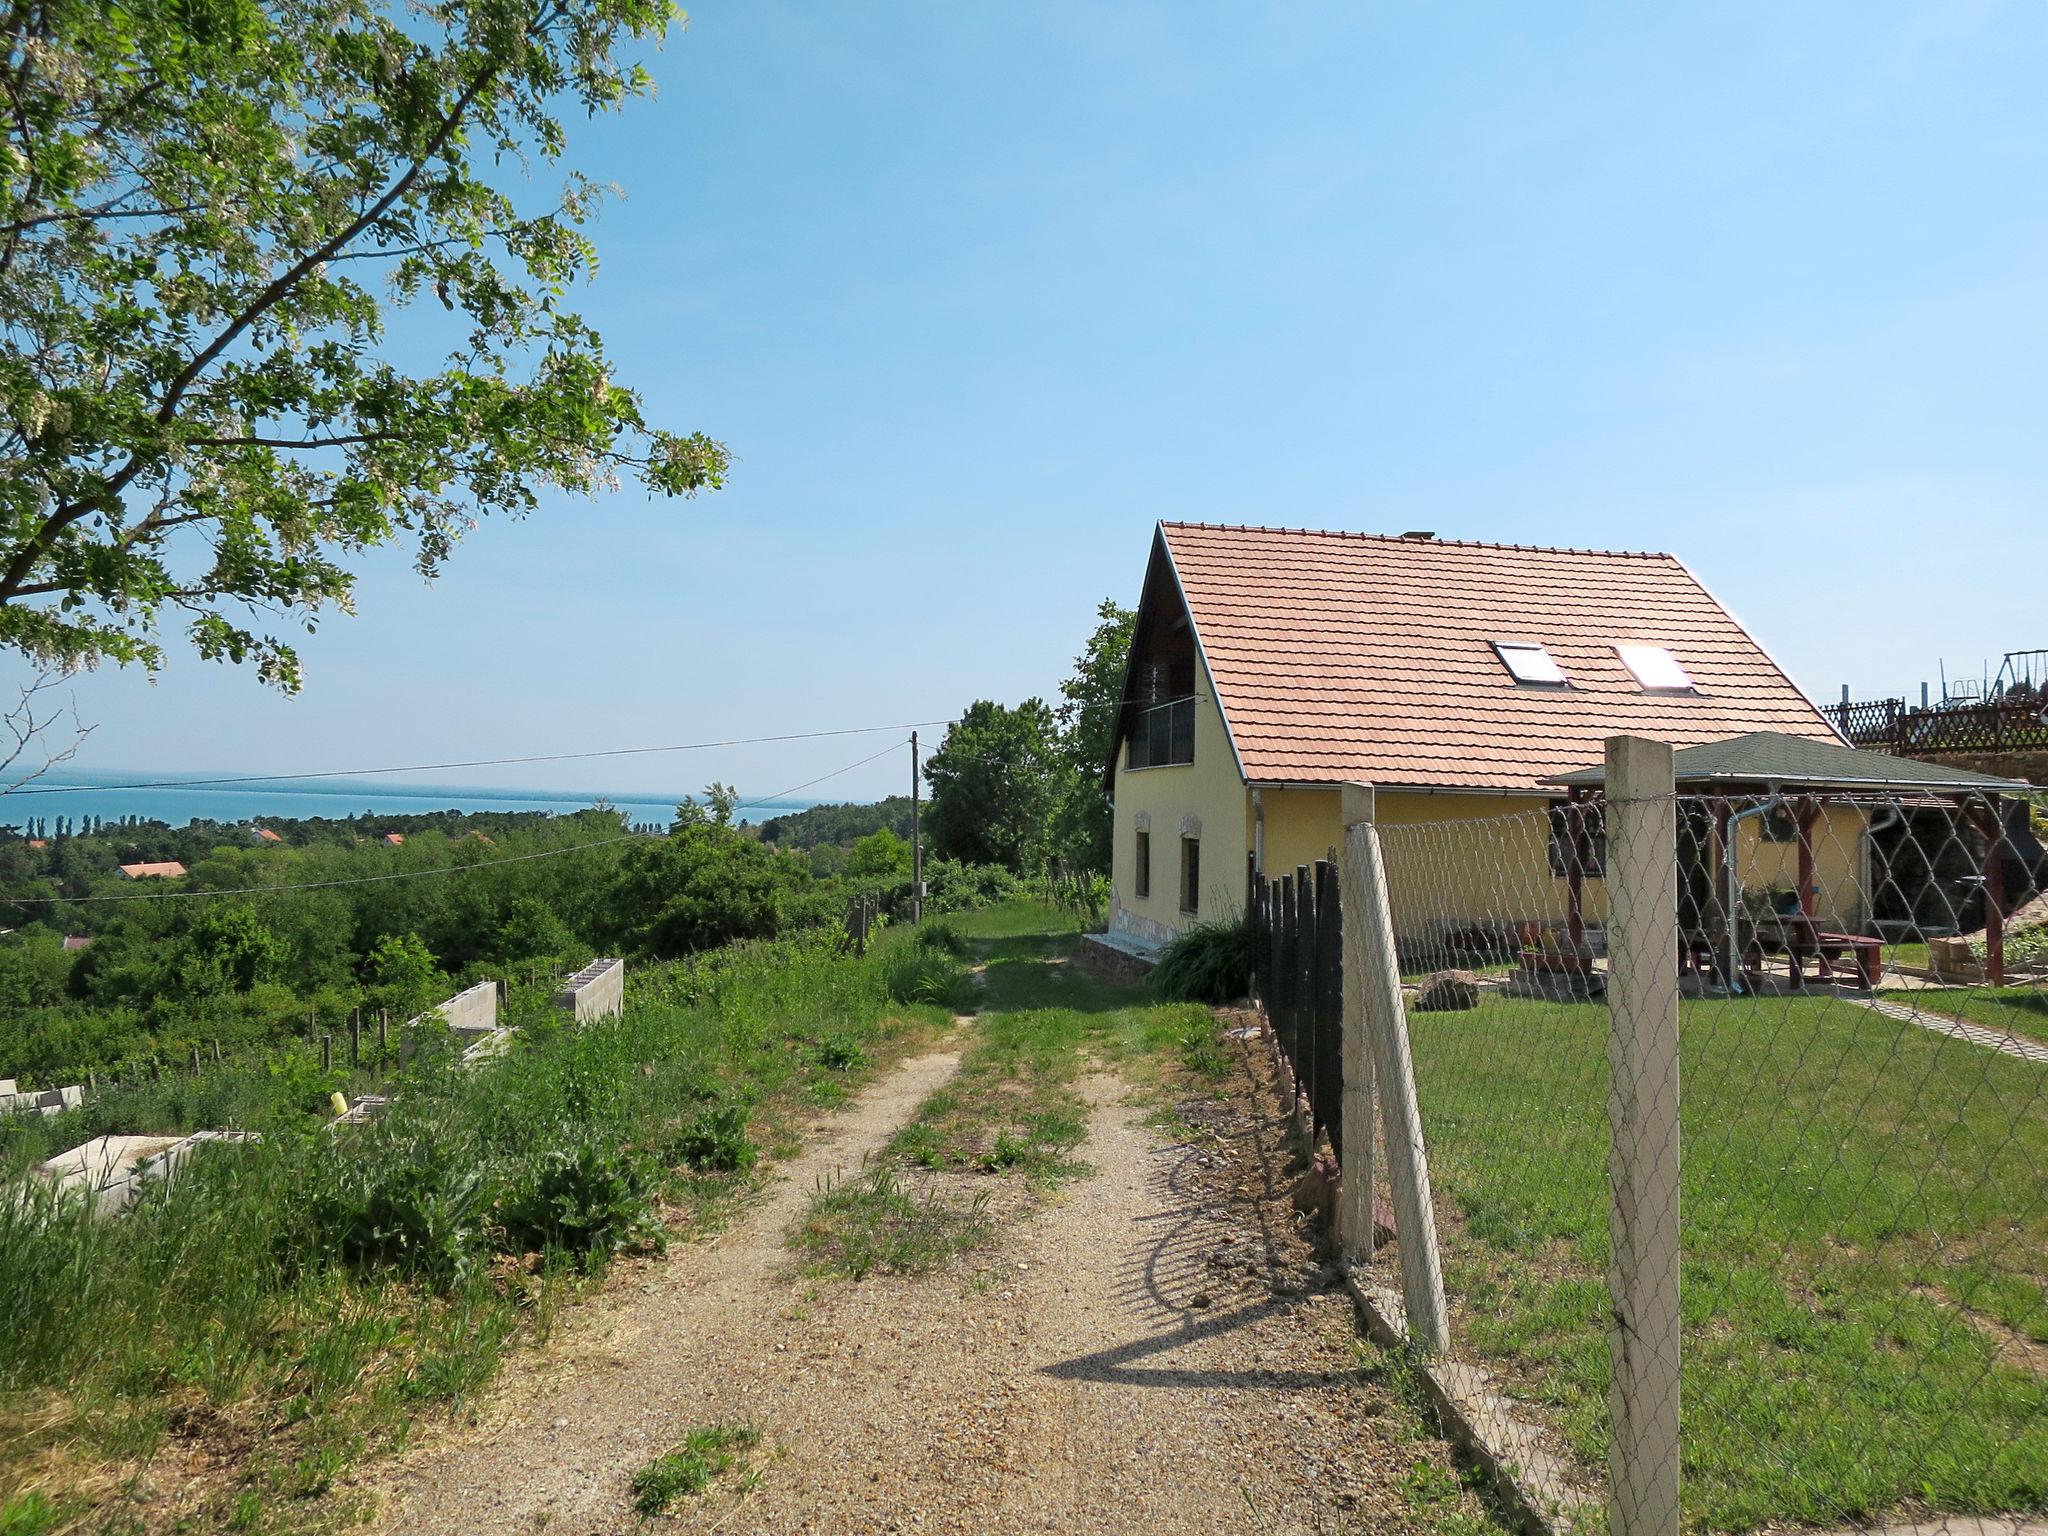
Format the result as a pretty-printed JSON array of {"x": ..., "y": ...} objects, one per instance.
[
  {"x": 598, "y": 991},
  {"x": 472, "y": 1013},
  {"x": 111, "y": 1170},
  {"x": 46, "y": 1101}
]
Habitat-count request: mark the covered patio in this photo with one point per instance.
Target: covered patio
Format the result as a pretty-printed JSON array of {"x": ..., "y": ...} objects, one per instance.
[{"x": 1724, "y": 784}]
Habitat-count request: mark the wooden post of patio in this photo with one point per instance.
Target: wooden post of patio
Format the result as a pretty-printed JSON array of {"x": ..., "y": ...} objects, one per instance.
[
  {"x": 1369, "y": 936},
  {"x": 1642, "y": 1155},
  {"x": 1575, "y": 872},
  {"x": 1994, "y": 891}
]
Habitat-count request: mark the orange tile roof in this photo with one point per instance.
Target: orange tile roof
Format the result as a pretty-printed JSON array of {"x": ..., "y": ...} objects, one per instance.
[
  {"x": 394, "y": 838},
  {"x": 169, "y": 869},
  {"x": 1364, "y": 656}
]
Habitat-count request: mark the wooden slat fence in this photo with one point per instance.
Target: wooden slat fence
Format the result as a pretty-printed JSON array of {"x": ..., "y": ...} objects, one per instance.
[{"x": 1297, "y": 927}]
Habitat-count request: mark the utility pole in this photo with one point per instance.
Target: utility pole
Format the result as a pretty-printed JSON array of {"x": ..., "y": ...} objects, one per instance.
[{"x": 916, "y": 840}]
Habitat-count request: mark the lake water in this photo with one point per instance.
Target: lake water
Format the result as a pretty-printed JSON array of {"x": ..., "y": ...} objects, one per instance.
[{"x": 54, "y": 795}]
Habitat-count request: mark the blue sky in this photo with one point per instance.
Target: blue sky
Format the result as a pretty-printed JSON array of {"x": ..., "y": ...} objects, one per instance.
[{"x": 976, "y": 294}]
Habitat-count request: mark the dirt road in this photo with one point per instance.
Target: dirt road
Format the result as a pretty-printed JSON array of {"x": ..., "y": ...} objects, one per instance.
[{"x": 1153, "y": 1351}]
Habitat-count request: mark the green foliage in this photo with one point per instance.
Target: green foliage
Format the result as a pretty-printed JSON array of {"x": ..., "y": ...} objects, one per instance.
[
  {"x": 1207, "y": 963},
  {"x": 715, "y": 1141},
  {"x": 689, "y": 1470},
  {"x": 997, "y": 780},
  {"x": 837, "y": 826},
  {"x": 940, "y": 934},
  {"x": 584, "y": 1198},
  {"x": 212, "y": 213},
  {"x": 879, "y": 857},
  {"x": 1091, "y": 705},
  {"x": 921, "y": 973},
  {"x": 707, "y": 884}
]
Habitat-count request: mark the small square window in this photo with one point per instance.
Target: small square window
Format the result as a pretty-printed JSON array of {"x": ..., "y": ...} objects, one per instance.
[
  {"x": 1141, "y": 878},
  {"x": 1655, "y": 668},
  {"x": 1528, "y": 663}
]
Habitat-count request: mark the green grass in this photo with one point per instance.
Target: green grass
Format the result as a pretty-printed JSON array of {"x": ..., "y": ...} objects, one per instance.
[
  {"x": 871, "y": 1223},
  {"x": 317, "y": 1291},
  {"x": 687, "y": 1472},
  {"x": 1850, "y": 1185}
]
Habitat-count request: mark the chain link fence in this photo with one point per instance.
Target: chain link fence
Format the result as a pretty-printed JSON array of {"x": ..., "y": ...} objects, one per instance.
[{"x": 1735, "y": 1102}]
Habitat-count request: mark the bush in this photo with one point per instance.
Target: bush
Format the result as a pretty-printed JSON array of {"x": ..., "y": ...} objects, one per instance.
[
  {"x": 937, "y": 933},
  {"x": 587, "y": 1198},
  {"x": 917, "y": 974},
  {"x": 715, "y": 1142},
  {"x": 1209, "y": 963}
]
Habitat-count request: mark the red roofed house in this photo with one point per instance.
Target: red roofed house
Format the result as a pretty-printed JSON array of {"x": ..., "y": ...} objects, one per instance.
[
  {"x": 395, "y": 839},
  {"x": 265, "y": 835},
  {"x": 170, "y": 869},
  {"x": 1270, "y": 666}
]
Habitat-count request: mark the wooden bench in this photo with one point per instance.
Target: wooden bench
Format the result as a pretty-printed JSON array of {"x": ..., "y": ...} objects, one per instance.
[{"x": 1848, "y": 950}]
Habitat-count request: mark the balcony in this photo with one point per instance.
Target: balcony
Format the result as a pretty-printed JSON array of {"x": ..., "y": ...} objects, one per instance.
[{"x": 1162, "y": 734}]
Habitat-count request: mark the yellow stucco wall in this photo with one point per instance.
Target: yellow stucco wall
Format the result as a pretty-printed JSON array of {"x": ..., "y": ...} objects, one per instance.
[
  {"x": 1208, "y": 790},
  {"x": 1454, "y": 859}
]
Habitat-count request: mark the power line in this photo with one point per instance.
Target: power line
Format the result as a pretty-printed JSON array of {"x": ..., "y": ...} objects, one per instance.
[
  {"x": 481, "y": 762},
  {"x": 446, "y": 869}
]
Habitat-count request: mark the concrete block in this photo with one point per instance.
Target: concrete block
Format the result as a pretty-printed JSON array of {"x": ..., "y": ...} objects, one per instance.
[
  {"x": 111, "y": 1170},
  {"x": 472, "y": 1011},
  {"x": 598, "y": 991}
]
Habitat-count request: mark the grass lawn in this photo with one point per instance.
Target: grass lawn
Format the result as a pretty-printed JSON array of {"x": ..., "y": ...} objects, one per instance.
[{"x": 1865, "y": 1247}]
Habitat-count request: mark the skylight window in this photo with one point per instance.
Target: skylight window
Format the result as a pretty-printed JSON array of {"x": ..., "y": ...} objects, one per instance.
[
  {"x": 1530, "y": 663},
  {"x": 1655, "y": 668}
]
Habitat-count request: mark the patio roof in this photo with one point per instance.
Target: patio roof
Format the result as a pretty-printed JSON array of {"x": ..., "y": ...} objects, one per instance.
[{"x": 1769, "y": 757}]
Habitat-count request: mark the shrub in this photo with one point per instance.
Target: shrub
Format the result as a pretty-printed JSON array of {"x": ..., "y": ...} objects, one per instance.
[
  {"x": 917, "y": 974},
  {"x": 407, "y": 1192},
  {"x": 715, "y": 1142},
  {"x": 940, "y": 934},
  {"x": 587, "y": 1199},
  {"x": 1209, "y": 963}
]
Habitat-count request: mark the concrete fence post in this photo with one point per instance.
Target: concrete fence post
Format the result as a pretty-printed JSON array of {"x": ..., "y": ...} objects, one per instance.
[
  {"x": 1361, "y": 1101},
  {"x": 1369, "y": 939},
  {"x": 1642, "y": 1158}
]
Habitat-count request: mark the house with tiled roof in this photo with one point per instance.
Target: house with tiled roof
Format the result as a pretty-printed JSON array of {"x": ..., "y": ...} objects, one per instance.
[
  {"x": 1269, "y": 666},
  {"x": 166, "y": 869}
]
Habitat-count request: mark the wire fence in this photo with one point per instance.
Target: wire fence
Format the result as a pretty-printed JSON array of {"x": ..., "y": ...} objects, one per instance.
[{"x": 1736, "y": 1101}]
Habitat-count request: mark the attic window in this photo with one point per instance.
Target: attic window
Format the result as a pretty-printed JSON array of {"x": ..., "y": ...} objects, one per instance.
[
  {"x": 1655, "y": 668},
  {"x": 1530, "y": 664}
]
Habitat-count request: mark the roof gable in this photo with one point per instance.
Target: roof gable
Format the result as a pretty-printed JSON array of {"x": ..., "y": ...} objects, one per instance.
[{"x": 1356, "y": 656}]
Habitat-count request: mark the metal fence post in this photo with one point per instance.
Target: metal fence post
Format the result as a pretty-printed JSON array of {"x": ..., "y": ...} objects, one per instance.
[
  {"x": 1369, "y": 926},
  {"x": 1642, "y": 1158},
  {"x": 1361, "y": 1105}
]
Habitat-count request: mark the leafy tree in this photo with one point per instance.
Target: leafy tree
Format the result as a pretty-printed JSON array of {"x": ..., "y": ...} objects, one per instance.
[
  {"x": 880, "y": 856},
  {"x": 227, "y": 950},
  {"x": 402, "y": 971},
  {"x": 1091, "y": 700},
  {"x": 531, "y": 931},
  {"x": 707, "y": 884},
  {"x": 996, "y": 781},
  {"x": 209, "y": 212}
]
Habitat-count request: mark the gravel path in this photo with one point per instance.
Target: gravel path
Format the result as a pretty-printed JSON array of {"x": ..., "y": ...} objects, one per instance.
[
  {"x": 1153, "y": 1351},
  {"x": 626, "y": 1376}
]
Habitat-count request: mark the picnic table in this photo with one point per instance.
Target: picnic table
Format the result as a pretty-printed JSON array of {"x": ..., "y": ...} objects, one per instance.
[{"x": 1798, "y": 939}]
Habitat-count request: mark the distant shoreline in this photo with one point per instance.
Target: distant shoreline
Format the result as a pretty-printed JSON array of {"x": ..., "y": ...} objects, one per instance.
[{"x": 94, "y": 793}]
